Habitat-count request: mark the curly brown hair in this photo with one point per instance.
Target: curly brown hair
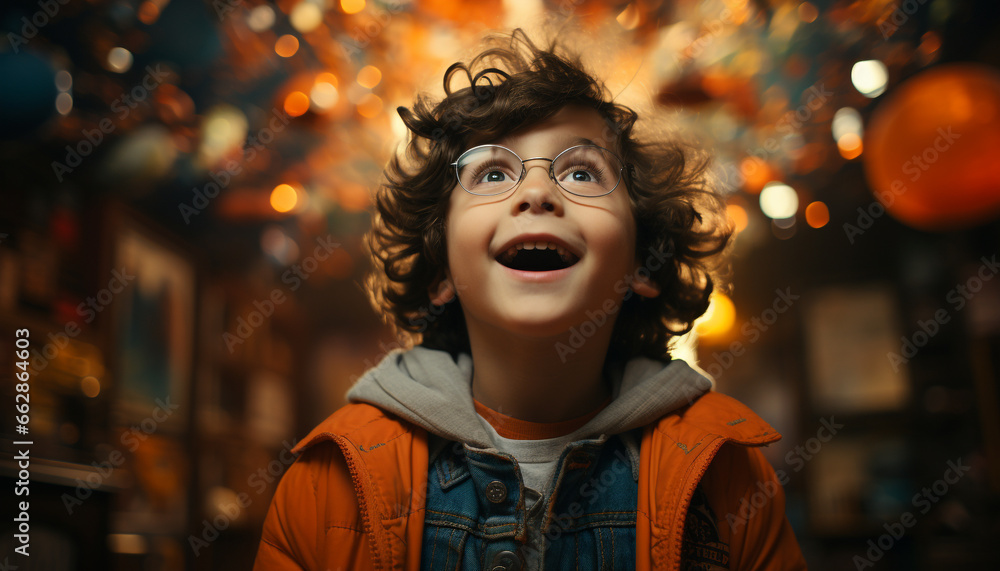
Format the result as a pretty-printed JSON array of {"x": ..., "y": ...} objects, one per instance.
[{"x": 513, "y": 84}]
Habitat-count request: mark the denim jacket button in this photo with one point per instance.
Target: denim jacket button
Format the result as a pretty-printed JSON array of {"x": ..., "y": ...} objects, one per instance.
[
  {"x": 496, "y": 492},
  {"x": 506, "y": 561}
]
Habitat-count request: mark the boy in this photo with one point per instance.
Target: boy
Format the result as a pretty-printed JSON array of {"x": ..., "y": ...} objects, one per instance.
[{"x": 546, "y": 257}]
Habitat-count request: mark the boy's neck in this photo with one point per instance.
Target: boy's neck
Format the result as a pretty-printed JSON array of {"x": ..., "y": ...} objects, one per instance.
[{"x": 524, "y": 377}]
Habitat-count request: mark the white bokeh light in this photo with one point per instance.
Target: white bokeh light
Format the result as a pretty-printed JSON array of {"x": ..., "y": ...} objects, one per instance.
[
  {"x": 846, "y": 121},
  {"x": 778, "y": 201},
  {"x": 870, "y": 77}
]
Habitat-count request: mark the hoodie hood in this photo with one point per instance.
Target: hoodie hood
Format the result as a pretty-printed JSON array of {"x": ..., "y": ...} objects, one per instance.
[{"x": 430, "y": 389}]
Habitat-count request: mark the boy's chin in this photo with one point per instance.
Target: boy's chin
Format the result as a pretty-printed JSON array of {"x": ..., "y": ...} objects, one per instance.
[{"x": 552, "y": 327}]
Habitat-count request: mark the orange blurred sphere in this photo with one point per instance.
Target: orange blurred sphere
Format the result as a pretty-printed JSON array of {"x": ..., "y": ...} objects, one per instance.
[{"x": 931, "y": 148}]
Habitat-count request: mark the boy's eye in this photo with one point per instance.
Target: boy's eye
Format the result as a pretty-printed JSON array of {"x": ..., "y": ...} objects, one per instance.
[
  {"x": 582, "y": 173},
  {"x": 494, "y": 176}
]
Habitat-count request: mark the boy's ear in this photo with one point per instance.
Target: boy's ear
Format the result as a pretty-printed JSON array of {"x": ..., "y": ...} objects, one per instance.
[
  {"x": 644, "y": 286},
  {"x": 442, "y": 293}
]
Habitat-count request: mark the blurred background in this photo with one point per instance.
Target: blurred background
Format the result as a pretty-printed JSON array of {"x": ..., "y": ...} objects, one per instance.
[{"x": 185, "y": 185}]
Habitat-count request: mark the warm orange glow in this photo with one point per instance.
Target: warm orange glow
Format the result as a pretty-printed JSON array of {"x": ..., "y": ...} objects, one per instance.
[
  {"x": 958, "y": 169},
  {"x": 90, "y": 386},
  {"x": 738, "y": 215},
  {"x": 327, "y": 77},
  {"x": 284, "y": 198},
  {"x": 756, "y": 173},
  {"x": 352, "y": 6},
  {"x": 817, "y": 214},
  {"x": 849, "y": 145},
  {"x": 369, "y": 76},
  {"x": 719, "y": 318},
  {"x": 807, "y": 12},
  {"x": 148, "y": 12},
  {"x": 353, "y": 197},
  {"x": 370, "y": 105},
  {"x": 286, "y": 46},
  {"x": 296, "y": 104}
]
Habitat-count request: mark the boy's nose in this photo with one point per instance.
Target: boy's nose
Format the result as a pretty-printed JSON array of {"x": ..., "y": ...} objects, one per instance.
[{"x": 537, "y": 191}]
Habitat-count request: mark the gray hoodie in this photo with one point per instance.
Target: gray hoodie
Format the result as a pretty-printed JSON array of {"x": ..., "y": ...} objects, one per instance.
[{"x": 430, "y": 389}]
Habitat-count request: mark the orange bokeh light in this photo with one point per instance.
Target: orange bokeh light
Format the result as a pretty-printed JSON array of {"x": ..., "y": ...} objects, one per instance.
[
  {"x": 284, "y": 198},
  {"x": 369, "y": 76},
  {"x": 286, "y": 46},
  {"x": 756, "y": 173},
  {"x": 352, "y": 6},
  {"x": 148, "y": 12},
  {"x": 738, "y": 215},
  {"x": 327, "y": 77},
  {"x": 296, "y": 103},
  {"x": 849, "y": 145},
  {"x": 808, "y": 13},
  {"x": 719, "y": 319},
  {"x": 817, "y": 214},
  {"x": 370, "y": 105}
]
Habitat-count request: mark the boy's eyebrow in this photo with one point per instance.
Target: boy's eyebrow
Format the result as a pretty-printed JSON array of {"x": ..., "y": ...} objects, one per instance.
[
  {"x": 582, "y": 141},
  {"x": 505, "y": 141}
]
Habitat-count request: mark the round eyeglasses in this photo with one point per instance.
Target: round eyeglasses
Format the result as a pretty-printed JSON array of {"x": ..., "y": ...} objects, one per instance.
[{"x": 583, "y": 170}]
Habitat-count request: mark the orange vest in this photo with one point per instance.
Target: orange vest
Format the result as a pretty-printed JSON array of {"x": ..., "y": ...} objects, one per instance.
[{"x": 357, "y": 502}]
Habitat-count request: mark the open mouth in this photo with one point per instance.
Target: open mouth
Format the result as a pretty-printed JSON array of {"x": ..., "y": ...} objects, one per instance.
[{"x": 537, "y": 257}]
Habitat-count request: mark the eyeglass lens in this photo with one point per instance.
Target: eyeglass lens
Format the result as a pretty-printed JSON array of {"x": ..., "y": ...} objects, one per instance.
[{"x": 584, "y": 170}]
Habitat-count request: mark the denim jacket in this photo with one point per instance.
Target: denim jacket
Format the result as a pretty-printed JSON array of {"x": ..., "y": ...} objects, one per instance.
[{"x": 476, "y": 516}]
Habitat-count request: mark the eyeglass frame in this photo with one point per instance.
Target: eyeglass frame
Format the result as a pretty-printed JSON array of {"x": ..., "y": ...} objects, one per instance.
[{"x": 552, "y": 174}]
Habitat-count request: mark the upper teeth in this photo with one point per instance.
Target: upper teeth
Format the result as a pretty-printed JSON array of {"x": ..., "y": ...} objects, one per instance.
[
  {"x": 540, "y": 246},
  {"x": 563, "y": 252}
]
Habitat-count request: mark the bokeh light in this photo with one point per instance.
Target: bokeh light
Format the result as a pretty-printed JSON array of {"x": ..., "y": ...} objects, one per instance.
[
  {"x": 284, "y": 197},
  {"x": 148, "y": 12},
  {"x": 296, "y": 103},
  {"x": 225, "y": 130},
  {"x": 90, "y": 386},
  {"x": 738, "y": 215},
  {"x": 817, "y": 214},
  {"x": 778, "y": 200},
  {"x": 370, "y": 105},
  {"x": 323, "y": 95},
  {"x": 719, "y": 318},
  {"x": 756, "y": 173},
  {"x": 870, "y": 77},
  {"x": 369, "y": 76},
  {"x": 846, "y": 120},
  {"x": 808, "y": 12},
  {"x": 275, "y": 243},
  {"x": 64, "y": 103},
  {"x": 286, "y": 46},
  {"x": 352, "y": 6},
  {"x": 850, "y": 146},
  {"x": 119, "y": 60},
  {"x": 306, "y": 17},
  {"x": 784, "y": 229},
  {"x": 64, "y": 80},
  {"x": 260, "y": 18}
]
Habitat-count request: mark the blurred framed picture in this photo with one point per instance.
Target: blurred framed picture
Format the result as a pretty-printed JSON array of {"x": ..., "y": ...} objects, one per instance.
[
  {"x": 151, "y": 284},
  {"x": 850, "y": 333}
]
